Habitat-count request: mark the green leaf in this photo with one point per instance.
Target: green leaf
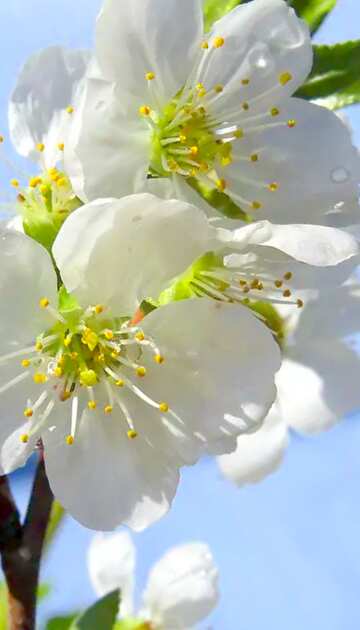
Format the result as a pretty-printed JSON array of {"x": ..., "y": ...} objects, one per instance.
[
  {"x": 218, "y": 200},
  {"x": 102, "y": 615},
  {"x": 313, "y": 12},
  {"x": 56, "y": 518},
  {"x": 335, "y": 78},
  {"x": 215, "y": 9},
  {"x": 60, "y": 623}
]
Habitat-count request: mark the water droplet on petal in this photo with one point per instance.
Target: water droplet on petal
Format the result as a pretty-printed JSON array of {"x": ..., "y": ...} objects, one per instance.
[{"x": 340, "y": 175}]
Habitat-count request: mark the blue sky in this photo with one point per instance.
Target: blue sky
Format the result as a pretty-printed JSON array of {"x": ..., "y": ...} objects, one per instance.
[{"x": 288, "y": 549}]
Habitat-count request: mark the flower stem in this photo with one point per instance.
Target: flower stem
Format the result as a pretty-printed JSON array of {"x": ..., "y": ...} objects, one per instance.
[{"x": 21, "y": 547}]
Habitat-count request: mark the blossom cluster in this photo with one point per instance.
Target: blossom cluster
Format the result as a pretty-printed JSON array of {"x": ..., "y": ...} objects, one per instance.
[{"x": 140, "y": 328}]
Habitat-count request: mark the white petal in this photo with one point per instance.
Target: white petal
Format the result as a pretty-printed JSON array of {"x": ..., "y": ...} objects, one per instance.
[
  {"x": 318, "y": 384},
  {"x": 218, "y": 374},
  {"x": 182, "y": 588},
  {"x": 259, "y": 454},
  {"x": 133, "y": 247},
  {"x": 112, "y": 149},
  {"x": 26, "y": 275},
  {"x": 104, "y": 479},
  {"x": 263, "y": 40},
  {"x": 141, "y": 36},
  {"x": 49, "y": 82},
  {"x": 314, "y": 165},
  {"x": 111, "y": 565}
]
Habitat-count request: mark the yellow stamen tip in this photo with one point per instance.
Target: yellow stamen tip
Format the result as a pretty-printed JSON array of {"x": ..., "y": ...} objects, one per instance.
[
  {"x": 61, "y": 182},
  {"x": 164, "y": 407},
  {"x": 273, "y": 187},
  {"x": 287, "y": 293},
  {"x": 194, "y": 150},
  {"x": 88, "y": 378},
  {"x": 45, "y": 190},
  {"x": 1, "y": 139},
  {"x": 70, "y": 109},
  {"x": 204, "y": 45},
  {"x": 285, "y": 77},
  {"x": 158, "y": 358},
  {"x": 28, "y": 412},
  {"x": 108, "y": 334},
  {"x": 150, "y": 76},
  {"x": 119, "y": 383},
  {"x": 35, "y": 181},
  {"x": 274, "y": 111},
  {"x": 254, "y": 157},
  {"x": 140, "y": 336},
  {"x": 40, "y": 147},
  {"x": 245, "y": 106},
  {"x": 44, "y": 302},
  {"x": 218, "y": 89},
  {"x": 99, "y": 308},
  {"x": 24, "y": 438},
  {"x": 25, "y": 363},
  {"x": 288, "y": 275},
  {"x": 218, "y": 42},
  {"x": 291, "y": 123},
  {"x": 14, "y": 183},
  {"x": 239, "y": 133},
  {"x": 245, "y": 81},
  {"x": 58, "y": 371},
  {"x": 92, "y": 404},
  {"x": 221, "y": 185},
  {"x": 141, "y": 371},
  {"x": 256, "y": 205},
  {"x": 144, "y": 110},
  {"x": 61, "y": 146},
  {"x": 132, "y": 434},
  {"x": 69, "y": 440},
  {"x": 39, "y": 346},
  {"x": 39, "y": 378},
  {"x": 299, "y": 303},
  {"x": 108, "y": 409},
  {"x": 182, "y": 139}
]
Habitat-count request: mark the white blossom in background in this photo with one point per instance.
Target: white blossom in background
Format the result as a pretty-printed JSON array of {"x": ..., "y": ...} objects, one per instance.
[
  {"x": 216, "y": 107},
  {"x": 121, "y": 404},
  {"x": 182, "y": 587},
  {"x": 318, "y": 383}
]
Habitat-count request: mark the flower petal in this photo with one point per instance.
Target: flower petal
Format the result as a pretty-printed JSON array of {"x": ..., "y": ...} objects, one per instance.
[
  {"x": 259, "y": 454},
  {"x": 263, "y": 40},
  {"x": 133, "y": 247},
  {"x": 318, "y": 384},
  {"x": 159, "y": 36},
  {"x": 26, "y": 275},
  {"x": 111, "y": 565},
  {"x": 112, "y": 149},
  {"x": 182, "y": 588},
  {"x": 49, "y": 82},
  {"x": 313, "y": 166}
]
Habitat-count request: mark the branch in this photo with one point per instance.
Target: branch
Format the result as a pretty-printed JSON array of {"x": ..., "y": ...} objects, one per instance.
[{"x": 10, "y": 526}]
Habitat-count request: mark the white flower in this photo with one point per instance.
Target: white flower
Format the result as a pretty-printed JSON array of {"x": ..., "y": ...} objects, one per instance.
[
  {"x": 318, "y": 383},
  {"x": 182, "y": 587},
  {"x": 216, "y": 107},
  {"x": 121, "y": 404}
]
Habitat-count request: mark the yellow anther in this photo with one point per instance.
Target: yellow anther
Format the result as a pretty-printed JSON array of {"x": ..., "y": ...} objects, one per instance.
[
  {"x": 218, "y": 89},
  {"x": 58, "y": 371},
  {"x": 164, "y": 407},
  {"x": 246, "y": 289},
  {"x": 101, "y": 357},
  {"x": 70, "y": 109},
  {"x": 35, "y": 181},
  {"x": 1, "y": 139},
  {"x": 245, "y": 106},
  {"x": 150, "y": 76},
  {"x": 65, "y": 395},
  {"x": 285, "y": 77},
  {"x": 39, "y": 346},
  {"x": 225, "y": 161},
  {"x": 159, "y": 359},
  {"x": 218, "y": 42},
  {"x": 291, "y": 123},
  {"x": 14, "y": 183},
  {"x": 108, "y": 334},
  {"x": 74, "y": 356},
  {"x": 99, "y": 308},
  {"x": 245, "y": 81},
  {"x": 278, "y": 283},
  {"x": 132, "y": 434},
  {"x": 254, "y": 157},
  {"x": 45, "y": 190},
  {"x": 52, "y": 170},
  {"x": 92, "y": 404},
  {"x": 200, "y": 86},
  {"x": 201, "y": 94},
  {"x": 274, "y": 111},
  {"x": 299, "y": 303},
  {"x": 44, "y": 302},
  {"x": 20, "y": 198},
  {"x": 40, "y": 147},
  {"x": 221, "y": 185},
  {"x": 288, "y": 275},
  {"x": 194, "y": 150},
  {"x": 108, "y": 409},
  {"x": 69, "y": 440},
  {"x": 39, "y": 378},
  {"x": 90, "y": 339},
  {"x": 88, "y": 378},
  {"x": 61, "y": 146},
  {"x": 144, "y": 110},
  {"x": 273, "y": 187},
  {"x": 24, "y": 438},
  {"x": 119, "y": 383},
  {"x": 141, "y": 371},
  {"x": 256, "y": 205},
  {"x": 25, "y": 363},
  {"x": 182, "y": 139},
  {"x": 67, "y": 340},
  {"x": 28, "y": 412},
  {"x": 140, "y": 336},
  {"x": 204, "y": 45},
  {"x": 239, "y": 133},
  {"x": 287, "y": 293},
  {"x": 61, "y": 182}
]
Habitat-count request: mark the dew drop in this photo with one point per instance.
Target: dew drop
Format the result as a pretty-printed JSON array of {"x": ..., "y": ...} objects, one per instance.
[{"x": 340, "y": 175}]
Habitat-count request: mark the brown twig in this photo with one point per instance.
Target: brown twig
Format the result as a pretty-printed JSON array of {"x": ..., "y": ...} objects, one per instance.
[{"x": 22, "y": 548}]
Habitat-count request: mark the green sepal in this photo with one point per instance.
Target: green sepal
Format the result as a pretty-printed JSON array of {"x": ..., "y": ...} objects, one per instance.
[
  {"x": 334, "y": 81},
  {"x": 218, "y": 200},
  {"x": 181, "y": 288},
  {"x": 61, "y": 623},
  {"x": 67, "y": 303},
  {"x": 313, "y": 12},
  {"x": 101, "y": 615},
  {"x": 44, "y": 227}
]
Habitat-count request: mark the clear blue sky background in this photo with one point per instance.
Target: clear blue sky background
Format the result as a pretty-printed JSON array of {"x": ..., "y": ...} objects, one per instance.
[{"x": 289, "y": 549}]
